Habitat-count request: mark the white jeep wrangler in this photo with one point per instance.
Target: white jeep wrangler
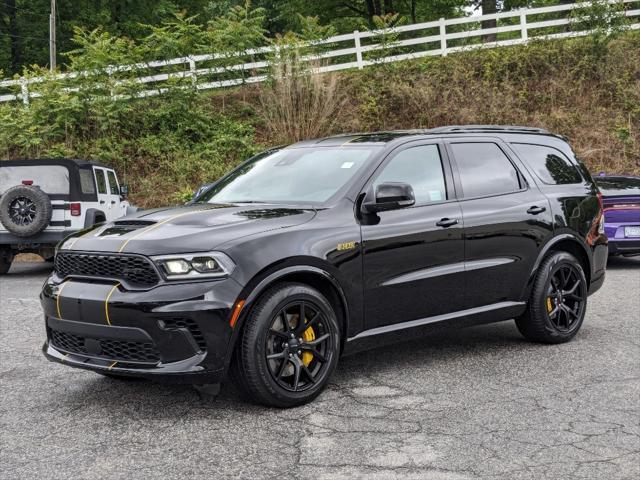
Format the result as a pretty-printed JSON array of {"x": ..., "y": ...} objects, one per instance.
[{"x": 43, "y": 201}]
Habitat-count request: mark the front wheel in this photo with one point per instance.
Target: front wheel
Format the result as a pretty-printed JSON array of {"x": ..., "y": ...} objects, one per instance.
[
  {"x": 558, "y": 301},
  {"x": 289, "y": 347}
]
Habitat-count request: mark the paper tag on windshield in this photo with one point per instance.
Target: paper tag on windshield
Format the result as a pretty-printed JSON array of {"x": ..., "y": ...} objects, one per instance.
[{"x": 347, "y": 165}]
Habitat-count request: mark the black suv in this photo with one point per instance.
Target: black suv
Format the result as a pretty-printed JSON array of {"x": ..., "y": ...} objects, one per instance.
[{"x": 301, "y": 252}]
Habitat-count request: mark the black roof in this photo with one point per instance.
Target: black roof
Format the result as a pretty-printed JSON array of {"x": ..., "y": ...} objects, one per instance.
[
  {"x": 67, "y": 162},
  {"x": 389, "y": 136}
]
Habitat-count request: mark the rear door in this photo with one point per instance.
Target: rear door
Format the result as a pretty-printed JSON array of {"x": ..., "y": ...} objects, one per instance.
[
  {"x": 102, "y": 187},
  {"x": 507, "y": 219},
  {"x": 413, "y": 261}
]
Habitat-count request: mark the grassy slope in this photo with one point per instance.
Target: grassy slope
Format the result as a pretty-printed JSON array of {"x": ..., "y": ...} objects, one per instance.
[{"x": 166, "y": 146}]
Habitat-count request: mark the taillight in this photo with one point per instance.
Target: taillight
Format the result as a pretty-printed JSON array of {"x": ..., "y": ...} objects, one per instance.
[
  {"x": 600, "y": 216},
  {"x": 76, "y": 209}
]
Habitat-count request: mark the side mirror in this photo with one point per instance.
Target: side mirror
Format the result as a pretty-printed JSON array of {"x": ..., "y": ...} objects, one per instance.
[
  {"x": 202, "y": 188},
  {"x": 391, "y": 196},
  {"x": 124, "y": 191}
]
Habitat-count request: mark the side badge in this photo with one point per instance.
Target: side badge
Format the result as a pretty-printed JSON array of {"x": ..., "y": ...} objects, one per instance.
[{"x": 346, "y": 246}]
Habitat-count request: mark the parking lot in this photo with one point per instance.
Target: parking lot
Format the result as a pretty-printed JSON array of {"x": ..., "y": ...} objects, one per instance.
[{"x": 474, "y": 403}]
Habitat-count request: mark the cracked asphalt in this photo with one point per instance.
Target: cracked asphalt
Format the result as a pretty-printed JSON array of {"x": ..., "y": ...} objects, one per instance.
[{"x": 473, "y": 403}]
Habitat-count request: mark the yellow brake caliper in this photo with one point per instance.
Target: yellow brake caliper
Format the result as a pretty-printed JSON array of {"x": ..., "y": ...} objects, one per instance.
[
  {"x": 308, "y": 336},
  {"x": 549, "y": 305}
]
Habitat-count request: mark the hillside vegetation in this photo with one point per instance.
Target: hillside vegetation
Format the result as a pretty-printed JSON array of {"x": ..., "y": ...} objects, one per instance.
[{"x": 166, "y": 146}]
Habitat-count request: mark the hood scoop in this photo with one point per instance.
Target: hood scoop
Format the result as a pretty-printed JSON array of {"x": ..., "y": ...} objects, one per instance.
[{"x": 134, "y": 223}]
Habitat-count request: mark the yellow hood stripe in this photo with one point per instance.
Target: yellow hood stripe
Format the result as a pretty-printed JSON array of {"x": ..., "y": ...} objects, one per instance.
[
  {"x": 58, "y": 298},
  {"x": 106, "y": 303}
]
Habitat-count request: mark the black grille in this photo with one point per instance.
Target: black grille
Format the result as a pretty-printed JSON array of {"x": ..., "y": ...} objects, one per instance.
[
  {"x": 144, "y": 352},
  {"x": 134, "y": 270},
  {"x": 189, "y": 324}
]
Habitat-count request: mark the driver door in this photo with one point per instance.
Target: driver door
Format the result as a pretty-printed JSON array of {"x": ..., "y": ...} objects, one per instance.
[{"x": 413, "y": 258}]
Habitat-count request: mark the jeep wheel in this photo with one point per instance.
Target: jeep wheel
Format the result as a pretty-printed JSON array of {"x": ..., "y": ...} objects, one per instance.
[
  {"x": 558, "y": 301},
  {"x": 288, "y": 348},
  {"x": 25, "y": 210}
]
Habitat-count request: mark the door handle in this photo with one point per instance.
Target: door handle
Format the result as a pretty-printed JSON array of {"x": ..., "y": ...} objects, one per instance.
[
  {"x": 113, "y": 202},
  {"x": 535, "y": 210},
  {"x": 101, "y": 202},
  {"x": 447, "y": 222}
]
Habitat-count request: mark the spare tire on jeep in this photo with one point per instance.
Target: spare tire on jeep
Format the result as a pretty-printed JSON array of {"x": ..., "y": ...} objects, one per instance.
[{"x": 25, "y": 210}]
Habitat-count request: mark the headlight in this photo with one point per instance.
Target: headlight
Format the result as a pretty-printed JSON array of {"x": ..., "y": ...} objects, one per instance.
[{"x": 194, "y": 265}]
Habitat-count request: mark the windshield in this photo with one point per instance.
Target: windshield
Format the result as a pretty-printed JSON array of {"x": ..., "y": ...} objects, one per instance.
[{"x": 297, "y": 175}]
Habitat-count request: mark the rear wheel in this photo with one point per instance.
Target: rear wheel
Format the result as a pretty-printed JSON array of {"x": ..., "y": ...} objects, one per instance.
[
  {"x": 558, "y": 301},
  {"x": 288, "y": 348}
]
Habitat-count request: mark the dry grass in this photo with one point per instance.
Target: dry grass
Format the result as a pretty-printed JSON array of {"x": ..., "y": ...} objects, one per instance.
[{"x": 296, "y": 106}]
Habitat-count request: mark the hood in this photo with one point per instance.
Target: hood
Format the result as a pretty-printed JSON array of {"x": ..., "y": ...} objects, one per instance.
[{"x": 192, "y": 228}]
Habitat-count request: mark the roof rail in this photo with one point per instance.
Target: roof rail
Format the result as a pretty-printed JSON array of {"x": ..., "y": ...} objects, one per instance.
[{"x": 488, "y": 128}]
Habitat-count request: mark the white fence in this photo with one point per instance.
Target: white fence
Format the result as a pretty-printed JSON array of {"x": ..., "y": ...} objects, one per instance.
[{"x": 354, "y": 50}]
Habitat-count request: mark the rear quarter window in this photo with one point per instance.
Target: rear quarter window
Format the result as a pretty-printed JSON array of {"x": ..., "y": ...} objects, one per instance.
[
  {"x": 550, "y": 165},
  {"x": 87, "y": 185}
]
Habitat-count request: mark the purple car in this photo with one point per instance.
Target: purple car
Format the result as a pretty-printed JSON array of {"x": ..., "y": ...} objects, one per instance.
[{"x": 621, "y": 198}]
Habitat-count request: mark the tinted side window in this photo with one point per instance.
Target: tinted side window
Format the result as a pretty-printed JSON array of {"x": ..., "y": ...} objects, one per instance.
[
  {"x": 113, "y": 183},
  {"x": 420, "y": 167},
  {"x": 101, "y": 181},
  {"x": 549, "y": 164},
  {"x": 484, "y": 169},
  {"x": 87, "y": 184}
]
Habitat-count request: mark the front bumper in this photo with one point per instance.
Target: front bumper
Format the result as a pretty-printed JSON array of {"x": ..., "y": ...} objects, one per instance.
[{"x": 173, "y": 332}]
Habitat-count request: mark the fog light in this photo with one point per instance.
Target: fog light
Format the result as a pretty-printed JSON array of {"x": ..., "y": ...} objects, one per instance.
[{"x": 177, "y": 266}]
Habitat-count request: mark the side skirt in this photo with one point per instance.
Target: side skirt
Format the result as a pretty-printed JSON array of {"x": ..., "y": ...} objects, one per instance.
[{"x": 374, "y": 337}]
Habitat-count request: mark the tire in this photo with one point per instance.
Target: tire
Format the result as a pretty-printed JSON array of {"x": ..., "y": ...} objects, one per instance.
[
  {"x": 6, "y": 257},
  {"x": 25, "y": 210},
  {"x": 554, "y": 315},
  {"x": 297, "y": 376}
]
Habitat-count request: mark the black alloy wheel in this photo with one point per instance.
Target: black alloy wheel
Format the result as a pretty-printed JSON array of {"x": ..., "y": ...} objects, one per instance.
[
  {"x": 558, "y": 300},
  {"x": 22, "y": 211},
  {"x": 566, "y": 298},
  {"x": 288, "y": 347},
  {"x": 297, "y": 346}
]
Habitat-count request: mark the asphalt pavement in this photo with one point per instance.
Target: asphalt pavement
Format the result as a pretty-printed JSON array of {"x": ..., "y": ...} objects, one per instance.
[{"x": 473, "y": 403}]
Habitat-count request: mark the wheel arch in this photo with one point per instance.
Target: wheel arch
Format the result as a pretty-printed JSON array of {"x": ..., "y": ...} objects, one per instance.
[
  {"x": 91, "y": 215},
  {"x": 561, "y": 243},
  {"x": 312, "y": 275}
]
